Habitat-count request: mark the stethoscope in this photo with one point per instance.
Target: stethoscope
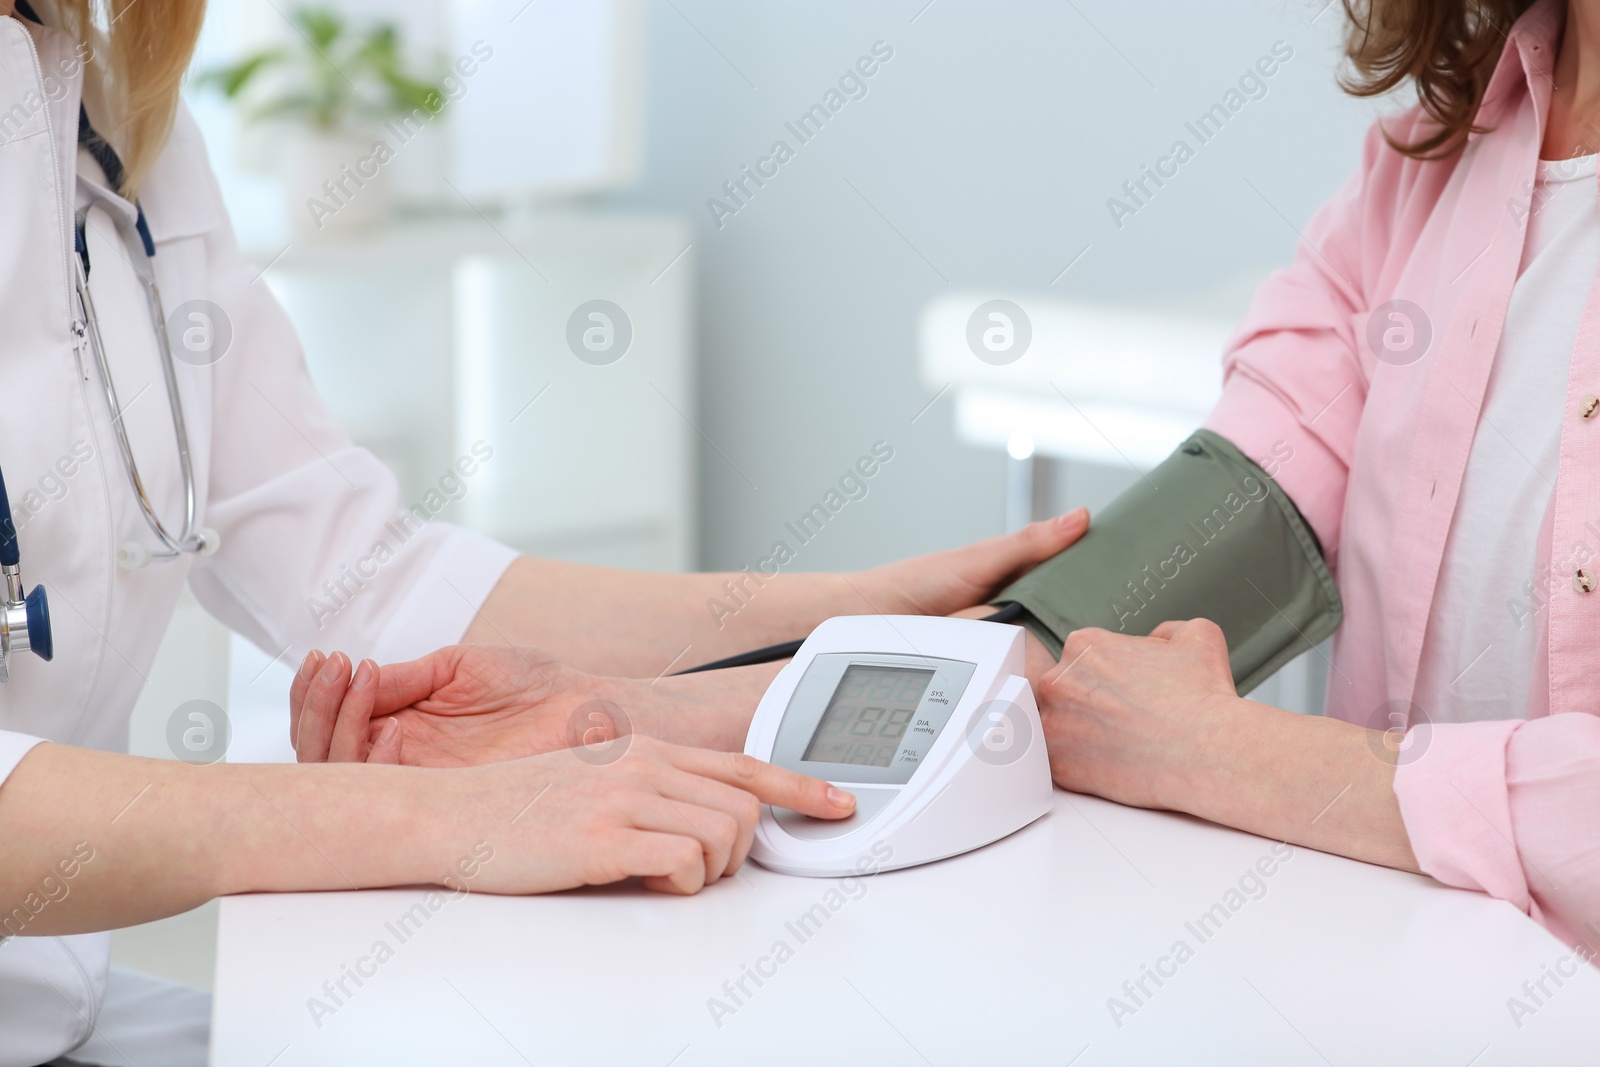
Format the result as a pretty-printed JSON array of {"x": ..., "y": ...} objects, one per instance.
[
  {"x": 132, "y": 555},
  {"x": 25, "y": 619}
]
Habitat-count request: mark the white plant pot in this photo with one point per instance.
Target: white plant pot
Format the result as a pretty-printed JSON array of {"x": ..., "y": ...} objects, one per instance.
[{"x": 336, "y": 183}]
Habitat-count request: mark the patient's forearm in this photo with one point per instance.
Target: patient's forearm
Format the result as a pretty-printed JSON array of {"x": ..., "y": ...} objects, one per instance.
[
  {"x": 92, "y": 840},
  {"x": 1312, "y": 781}
]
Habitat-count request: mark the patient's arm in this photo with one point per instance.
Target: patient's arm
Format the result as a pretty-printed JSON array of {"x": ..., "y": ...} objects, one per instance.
[
  {"x": 1206, "y": 534},
  {"x": 472, "y": 704},
  {"x": 1155, "y": 722},
  {"x": 642, "y": 625}
]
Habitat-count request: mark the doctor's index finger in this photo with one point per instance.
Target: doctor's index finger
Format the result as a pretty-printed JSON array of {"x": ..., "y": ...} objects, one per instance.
[{"x": 770, "y": 784}]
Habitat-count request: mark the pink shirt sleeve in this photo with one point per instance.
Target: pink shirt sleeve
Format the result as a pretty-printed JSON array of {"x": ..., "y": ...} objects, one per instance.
[
  {"x": 1508, "y": 808},
  {"x": 1512, "y": 809},
  {"x": 1294, "y": 378}
]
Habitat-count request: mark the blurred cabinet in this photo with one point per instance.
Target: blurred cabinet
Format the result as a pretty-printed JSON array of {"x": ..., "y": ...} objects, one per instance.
[
  {"x": 561, "y": 341},
  {"x": 1095, "y": 383}
]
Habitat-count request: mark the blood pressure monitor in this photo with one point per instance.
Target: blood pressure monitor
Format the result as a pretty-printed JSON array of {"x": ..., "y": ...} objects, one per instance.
[{"x": 929, "y": 721}]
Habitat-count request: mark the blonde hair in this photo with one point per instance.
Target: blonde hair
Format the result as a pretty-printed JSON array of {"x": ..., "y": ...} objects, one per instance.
[{"x": 139, "y": 49}]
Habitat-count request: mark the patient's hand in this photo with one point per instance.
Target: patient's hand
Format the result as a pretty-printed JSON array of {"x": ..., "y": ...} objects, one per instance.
[
  {"x": 1130, "y": 718},
  {"x": 474, "y": 704},
  {"x": 459, "y": 706}
]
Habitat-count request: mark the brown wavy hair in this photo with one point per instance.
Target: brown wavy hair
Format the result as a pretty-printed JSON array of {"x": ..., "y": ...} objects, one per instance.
[{"x": 1447, "y": 47}]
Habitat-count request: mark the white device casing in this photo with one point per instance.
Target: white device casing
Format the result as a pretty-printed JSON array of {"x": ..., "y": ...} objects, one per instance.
[{"x": 954, "y": 801}]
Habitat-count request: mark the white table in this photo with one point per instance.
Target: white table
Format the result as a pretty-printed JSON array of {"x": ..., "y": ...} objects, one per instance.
[{"x": 1008, "y": 955}]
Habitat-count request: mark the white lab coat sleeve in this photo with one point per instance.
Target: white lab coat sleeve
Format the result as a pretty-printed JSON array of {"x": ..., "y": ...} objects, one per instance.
[
  {"x": 50, "y": 987},
  {"x": 318, "y": 549},
  {"x": 13, "y": 746}
]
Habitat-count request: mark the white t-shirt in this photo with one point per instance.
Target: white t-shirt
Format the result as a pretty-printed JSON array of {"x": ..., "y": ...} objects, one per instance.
[{"x": 1479, "y": 653}]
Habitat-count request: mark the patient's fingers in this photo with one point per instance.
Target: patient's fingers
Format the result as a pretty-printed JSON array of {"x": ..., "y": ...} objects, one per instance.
[
  {"x": 402, "y": 684},
  {"x": 316, "y": 698},
  {"x": 314, "y": 731},
  {"x": 350, "y": 728},
  {"x": 297, "y": 691}
]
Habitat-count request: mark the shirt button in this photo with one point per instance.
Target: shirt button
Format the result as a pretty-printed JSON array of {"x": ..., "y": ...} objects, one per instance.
[
  {"x": 1589, "y": 405},
  {"x": 1584, "y": 581}
]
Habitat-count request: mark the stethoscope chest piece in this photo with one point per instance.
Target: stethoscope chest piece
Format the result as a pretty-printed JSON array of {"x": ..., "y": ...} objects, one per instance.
[
  {"x": 24, "y": 617},
  {"x": 135, "y": 556}
]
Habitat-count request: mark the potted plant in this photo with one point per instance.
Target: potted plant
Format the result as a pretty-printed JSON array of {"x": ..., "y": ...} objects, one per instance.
[{"x": 335, "y": 86}]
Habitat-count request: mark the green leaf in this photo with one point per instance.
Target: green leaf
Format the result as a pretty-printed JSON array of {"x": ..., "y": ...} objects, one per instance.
[
  {"x": 408, "y": 95},
  {"x": 298, "y": 105},
  {"x": 332, "y": 74},
  {"x": 321, "y": 24},
  {"x": 382, "y": 46},
  {"x": 231, "y": 80}
]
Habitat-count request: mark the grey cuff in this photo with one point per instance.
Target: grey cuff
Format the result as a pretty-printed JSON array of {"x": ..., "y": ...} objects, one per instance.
[{"x": 1207, "y": 534}]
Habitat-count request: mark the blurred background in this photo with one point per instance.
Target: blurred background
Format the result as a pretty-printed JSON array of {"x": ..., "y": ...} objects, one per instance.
[{"x": 681, "y": 263}]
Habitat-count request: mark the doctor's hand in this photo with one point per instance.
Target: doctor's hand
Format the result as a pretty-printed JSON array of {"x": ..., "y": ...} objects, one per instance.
[
  {"x": 944, "y": 583},
  {"x": 1129, "y": 718},
  {"x": 679, "y": 817}
]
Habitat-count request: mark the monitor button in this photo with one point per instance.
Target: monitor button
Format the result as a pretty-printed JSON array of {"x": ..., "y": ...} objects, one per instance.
[{"x": 869, "y": 802}]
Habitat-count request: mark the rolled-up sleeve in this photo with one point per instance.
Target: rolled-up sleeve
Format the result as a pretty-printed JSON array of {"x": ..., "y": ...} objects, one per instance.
[{"x": 1511, "y": 809}]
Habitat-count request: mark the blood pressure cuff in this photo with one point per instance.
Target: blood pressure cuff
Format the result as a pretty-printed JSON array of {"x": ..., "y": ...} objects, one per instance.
[{"x": 1207, "y": 534}]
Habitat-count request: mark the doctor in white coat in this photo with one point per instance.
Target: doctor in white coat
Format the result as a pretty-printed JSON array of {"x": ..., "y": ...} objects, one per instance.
[{"x": 91, "y": 840}]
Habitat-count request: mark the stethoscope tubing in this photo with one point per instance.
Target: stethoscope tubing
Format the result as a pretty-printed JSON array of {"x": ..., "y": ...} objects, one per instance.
[{"x": 189, "y": 540}]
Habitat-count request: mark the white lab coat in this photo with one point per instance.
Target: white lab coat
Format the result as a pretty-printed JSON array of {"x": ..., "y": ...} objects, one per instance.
[{"x": 293, "y": 498}]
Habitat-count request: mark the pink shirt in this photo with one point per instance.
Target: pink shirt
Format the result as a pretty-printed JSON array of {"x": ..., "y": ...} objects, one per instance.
[{"x": 1380, "y": 442}]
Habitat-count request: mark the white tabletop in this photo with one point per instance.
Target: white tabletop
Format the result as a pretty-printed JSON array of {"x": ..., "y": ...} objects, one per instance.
[{"x": 1008, "y": 955}]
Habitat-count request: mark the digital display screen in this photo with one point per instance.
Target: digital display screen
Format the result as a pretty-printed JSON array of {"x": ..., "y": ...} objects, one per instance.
[{"x": 867, "y": 716}]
